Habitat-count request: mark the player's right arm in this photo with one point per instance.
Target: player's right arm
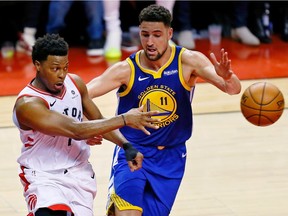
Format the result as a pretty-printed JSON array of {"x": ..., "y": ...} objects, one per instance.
[
  {"x": 33, "y": 114},
  {"x": 112, "y": 78}
]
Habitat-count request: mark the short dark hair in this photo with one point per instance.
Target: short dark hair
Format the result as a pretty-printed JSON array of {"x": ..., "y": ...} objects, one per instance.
[
  {"x": 49, "y": 44},
  {"x": 156, "y": 13}
]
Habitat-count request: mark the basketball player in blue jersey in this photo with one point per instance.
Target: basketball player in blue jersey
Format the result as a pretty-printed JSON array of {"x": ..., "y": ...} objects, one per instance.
[
  {"x": 54, "y": 163},
  {"x": 159, "y": 77}
]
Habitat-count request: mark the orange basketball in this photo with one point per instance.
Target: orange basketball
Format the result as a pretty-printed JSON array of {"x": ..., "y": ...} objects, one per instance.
[{"x": 262, "y": 104}]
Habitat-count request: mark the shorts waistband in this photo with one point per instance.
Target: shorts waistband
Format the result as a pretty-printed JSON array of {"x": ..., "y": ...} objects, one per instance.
[
  {"x": 162, "y": 147},
  {"x": 58, "y": 171}
]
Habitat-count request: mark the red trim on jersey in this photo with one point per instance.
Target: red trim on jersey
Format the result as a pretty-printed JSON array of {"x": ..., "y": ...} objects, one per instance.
[
  {"x": 61, "y": 207},
  {"x": 47, "y": 93},
  {"x": 28, "y": 143},
  {"x": 23, "y": 179}
]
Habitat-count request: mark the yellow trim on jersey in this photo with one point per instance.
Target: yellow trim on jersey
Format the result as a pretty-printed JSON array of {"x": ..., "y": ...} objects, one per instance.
[
  {"x": 131, "y": 81},
  {"x": 158, "y": 73},
  {"x": 181, "y": 77},
  {"x": 121, "y": 204}
]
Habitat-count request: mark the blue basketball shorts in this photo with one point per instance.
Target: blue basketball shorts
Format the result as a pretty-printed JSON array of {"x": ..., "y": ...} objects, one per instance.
[{"x": 153, "y": 188}]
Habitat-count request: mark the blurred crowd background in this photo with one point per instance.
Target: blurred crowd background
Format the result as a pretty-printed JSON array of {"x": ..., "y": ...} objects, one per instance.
[{"x": 104, "y": 27}]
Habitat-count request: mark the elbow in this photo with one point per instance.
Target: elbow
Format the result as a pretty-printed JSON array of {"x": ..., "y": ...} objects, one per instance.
[{"x": 90, "y": 92}]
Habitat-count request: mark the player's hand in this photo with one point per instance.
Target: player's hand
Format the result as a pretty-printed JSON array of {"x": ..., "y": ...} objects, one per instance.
[
  {"x": 223, "y": 67},
  {"x": 96, "y": 140},
  {"x": 138, "y": 119},
  {"x": 133, "y": 157}
]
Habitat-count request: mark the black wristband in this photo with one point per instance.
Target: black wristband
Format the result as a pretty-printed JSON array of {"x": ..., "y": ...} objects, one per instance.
[
  {"x": 124, "y": 120},
  {"x": 130, "y": 151}
]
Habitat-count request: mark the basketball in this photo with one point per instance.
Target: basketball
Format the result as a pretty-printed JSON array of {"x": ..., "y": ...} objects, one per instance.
[{"x": 262, "y": 104}]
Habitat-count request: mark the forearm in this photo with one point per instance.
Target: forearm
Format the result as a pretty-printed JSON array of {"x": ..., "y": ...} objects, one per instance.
[
  {"x": 88, "y": 129},
  {"x": 93, "y": 88},
  {"x": 116, "y": 137}
]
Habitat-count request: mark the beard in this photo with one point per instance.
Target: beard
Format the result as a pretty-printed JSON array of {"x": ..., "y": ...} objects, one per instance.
[{"x": 157, "y": 57}]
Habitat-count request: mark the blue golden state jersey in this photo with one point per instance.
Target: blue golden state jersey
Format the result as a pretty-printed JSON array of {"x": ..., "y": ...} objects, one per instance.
[{"x": 163, "y": 90}]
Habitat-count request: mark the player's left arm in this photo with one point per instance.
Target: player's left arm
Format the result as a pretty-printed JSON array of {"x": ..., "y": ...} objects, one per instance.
[{"x": 217, "y": 73}]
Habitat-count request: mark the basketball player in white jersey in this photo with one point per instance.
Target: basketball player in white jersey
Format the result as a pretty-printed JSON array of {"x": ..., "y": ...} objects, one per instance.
[{"x": 55, "y": 172}]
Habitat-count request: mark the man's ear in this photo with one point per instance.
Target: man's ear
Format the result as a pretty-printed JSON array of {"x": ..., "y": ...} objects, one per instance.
[
  {"x": 37, "y": 65},
  {"x": 170, "y": 32}
]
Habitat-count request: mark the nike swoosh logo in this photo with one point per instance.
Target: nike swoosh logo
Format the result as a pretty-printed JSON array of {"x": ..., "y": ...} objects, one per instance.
[
  {"x": 184, "y": 155},
  {"x": 142, "y": 78},
  {"x": 52, "y": 104}
]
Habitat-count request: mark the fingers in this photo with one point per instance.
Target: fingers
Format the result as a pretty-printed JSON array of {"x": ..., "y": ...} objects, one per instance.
[
  {"x": 141, "y": 108},
  {"x": 222, "y": 55},
  {"x": 224, "y": 60},
  {"x": 148, "y": 116},
  {"x": 140, "y": 120},
  {"x": 152, "y": 125},
  {"x": 131, "y": 166},
  {"x": 145, "y": 130},
  {"x": 97, "y": 140},
  {"x": 213, "y": 59},
  {"x": 93, "y": 142},
  {"x": 136, "y": 163},
  {"x": 229, "y": 63},
  {"x": 153, "y": 113},
  {"x": 150, "y": 122}
]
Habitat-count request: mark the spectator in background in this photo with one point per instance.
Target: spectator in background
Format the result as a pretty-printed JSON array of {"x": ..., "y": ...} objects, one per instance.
[
  {"x": 113, "y": 25},
  {"x": 239, "y": 23},
  {"x": 261, "y": 20},
  {"x": 185, "y": 36},
  {"x": 7, "y": 23},
  {"x": 94, "y": 12},
  {"x": 31, "y": 19},
  {"x": 283, "y": 20},
  {"x": 112, "y": 46}
]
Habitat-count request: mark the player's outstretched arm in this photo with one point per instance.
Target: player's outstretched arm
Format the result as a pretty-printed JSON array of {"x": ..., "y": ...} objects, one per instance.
[{"x": 32, "y": 113}]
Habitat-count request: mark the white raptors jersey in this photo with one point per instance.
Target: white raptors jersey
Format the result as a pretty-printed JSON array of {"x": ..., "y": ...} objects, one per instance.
[{"x": 49, "y": 153}]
